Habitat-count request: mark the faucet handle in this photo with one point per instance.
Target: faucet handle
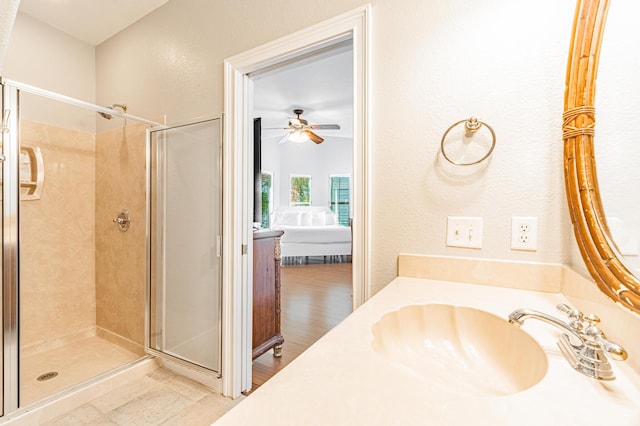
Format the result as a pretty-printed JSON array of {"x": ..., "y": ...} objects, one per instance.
[
  {"x": 572, "y": 313},
  {"x": 575, "y": 316},
  {"x": 591, "y": 319},
  {"x": 614, "y": 350}
]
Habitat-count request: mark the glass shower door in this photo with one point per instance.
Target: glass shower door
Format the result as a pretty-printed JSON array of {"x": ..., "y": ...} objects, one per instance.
[{"x": 185, "y": 211}]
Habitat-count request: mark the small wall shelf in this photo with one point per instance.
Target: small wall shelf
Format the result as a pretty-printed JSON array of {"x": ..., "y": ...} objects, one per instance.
[{"x": 31, "y": 173}]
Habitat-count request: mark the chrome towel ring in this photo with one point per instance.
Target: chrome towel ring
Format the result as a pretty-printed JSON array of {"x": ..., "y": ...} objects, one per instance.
[{"x": 471, "y": 125}]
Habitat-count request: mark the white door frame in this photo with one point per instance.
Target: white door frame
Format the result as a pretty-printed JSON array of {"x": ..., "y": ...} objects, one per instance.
[{"x": 238, "y": 178}]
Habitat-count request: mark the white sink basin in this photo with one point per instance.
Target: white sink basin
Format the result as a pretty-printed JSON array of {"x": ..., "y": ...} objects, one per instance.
[{"x": 460, "y": 348}]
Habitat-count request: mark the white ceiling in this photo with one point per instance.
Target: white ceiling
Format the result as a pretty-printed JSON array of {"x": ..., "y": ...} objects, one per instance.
[
  {"x": 92, "y": 21},
  {"x": 321, "y": 85}
]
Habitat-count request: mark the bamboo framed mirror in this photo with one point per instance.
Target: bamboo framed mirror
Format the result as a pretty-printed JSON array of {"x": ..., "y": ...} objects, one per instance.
[{"x": 599, "y": 251}]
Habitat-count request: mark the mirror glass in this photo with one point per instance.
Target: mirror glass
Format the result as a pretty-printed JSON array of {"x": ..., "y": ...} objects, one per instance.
[{"x": 617, "y": 141}]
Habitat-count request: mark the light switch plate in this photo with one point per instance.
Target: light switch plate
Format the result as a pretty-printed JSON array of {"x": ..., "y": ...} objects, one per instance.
[{"x": 464, "y": 232}]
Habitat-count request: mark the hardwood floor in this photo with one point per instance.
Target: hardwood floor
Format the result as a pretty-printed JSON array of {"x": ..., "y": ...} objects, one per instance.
[{"x": 315, "y": 298}]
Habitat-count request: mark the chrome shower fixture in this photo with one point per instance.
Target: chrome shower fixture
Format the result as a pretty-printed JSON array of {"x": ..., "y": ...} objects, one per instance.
[{"x": 123, "y": 107}]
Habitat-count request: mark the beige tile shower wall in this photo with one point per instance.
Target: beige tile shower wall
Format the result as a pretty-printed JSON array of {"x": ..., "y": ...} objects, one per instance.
[
  {"x": 120, "y": 256},
  {"x": 57, "y": 239}
]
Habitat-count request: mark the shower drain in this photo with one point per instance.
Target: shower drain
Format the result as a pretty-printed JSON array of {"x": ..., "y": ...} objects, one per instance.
[{"x": 47, "y": 376}]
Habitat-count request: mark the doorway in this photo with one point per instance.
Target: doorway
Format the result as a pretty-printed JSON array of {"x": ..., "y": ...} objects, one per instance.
[
  {"x": 304, "y": 190},
  {"x": 238, "y": 192}
]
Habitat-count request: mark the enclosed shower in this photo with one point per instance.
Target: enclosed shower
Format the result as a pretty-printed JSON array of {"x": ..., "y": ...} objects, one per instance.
[{"x": 110, "y": 233}]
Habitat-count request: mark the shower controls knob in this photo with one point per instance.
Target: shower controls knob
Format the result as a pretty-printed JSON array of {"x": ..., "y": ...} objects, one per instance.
[{"x": 123, "y": 220}]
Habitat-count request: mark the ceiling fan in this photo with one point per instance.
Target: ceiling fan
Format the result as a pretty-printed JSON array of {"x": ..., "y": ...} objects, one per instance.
[{"x": 301, "y": 131}]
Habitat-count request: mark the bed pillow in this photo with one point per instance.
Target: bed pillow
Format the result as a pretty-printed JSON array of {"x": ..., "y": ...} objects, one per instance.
[
  {"x": 331, "y": 219},
  {"x": 318, "y": 219},
  {"x": 306, "y": 219},
  {"x": 287, "y": 218}
]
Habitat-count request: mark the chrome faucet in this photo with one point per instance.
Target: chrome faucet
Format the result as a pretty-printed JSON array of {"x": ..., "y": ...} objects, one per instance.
[
  {"x": 583, "y": 344},
  {"x": 518, "y": 317}
]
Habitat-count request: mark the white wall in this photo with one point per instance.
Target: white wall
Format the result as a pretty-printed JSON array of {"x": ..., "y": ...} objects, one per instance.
[
  {"x": 41, "y": 56},
  {"x": 434, "y": 63},
  {"x": 8, "y": 12}
]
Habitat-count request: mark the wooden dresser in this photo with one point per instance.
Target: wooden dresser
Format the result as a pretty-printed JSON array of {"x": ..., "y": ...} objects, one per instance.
[{"x": 266, "y": 293}]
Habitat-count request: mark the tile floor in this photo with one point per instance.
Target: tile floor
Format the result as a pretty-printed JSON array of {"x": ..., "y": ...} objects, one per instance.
[{"x": 158, "y": 398}]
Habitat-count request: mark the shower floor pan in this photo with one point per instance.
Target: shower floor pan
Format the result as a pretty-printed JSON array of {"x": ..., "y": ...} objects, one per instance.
[{"x": 74, "y": 363}]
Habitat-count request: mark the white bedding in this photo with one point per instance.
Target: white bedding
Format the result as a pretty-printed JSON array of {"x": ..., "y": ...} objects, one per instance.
[
  {"x": 311, "y": 231},
  {"x": 315, "y": 234}
]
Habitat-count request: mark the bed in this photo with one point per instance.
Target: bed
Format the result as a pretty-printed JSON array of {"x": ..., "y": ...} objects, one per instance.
[{"x": 311, "y": 231}]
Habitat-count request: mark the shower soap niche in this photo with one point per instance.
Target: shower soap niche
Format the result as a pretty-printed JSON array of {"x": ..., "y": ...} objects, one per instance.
[{"x": 31, "y": 173}]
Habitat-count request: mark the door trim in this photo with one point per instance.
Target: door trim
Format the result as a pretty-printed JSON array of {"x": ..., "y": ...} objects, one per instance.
[{"x": 237, "y": 176}]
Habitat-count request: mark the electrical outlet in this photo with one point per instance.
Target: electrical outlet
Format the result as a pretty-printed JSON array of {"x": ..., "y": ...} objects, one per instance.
[
  {"x": 524, "y": 233},
  {"x": 464, "y": 232}
]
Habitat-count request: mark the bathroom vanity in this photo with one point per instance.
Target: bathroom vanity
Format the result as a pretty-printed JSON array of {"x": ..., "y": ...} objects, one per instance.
[{"x": 346, "y": 379}]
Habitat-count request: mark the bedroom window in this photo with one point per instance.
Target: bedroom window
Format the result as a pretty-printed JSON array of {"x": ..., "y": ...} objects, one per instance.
[
  {"x": 340, "y": 190},
  {"x": 300, "y": 190},
  {"x": 267, "y": 193}
]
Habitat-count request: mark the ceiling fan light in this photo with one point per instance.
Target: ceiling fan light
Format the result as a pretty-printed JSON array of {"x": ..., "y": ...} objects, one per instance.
[
  {"x": 298, "y": 136},
  {"x": 295, "y": 122}
]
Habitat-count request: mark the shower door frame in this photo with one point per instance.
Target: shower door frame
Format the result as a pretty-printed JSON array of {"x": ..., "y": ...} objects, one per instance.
[
  {"x": 10, "y": 261},
  {"x": 203, "y": 374},
  {"x": 10, "y": 132}
]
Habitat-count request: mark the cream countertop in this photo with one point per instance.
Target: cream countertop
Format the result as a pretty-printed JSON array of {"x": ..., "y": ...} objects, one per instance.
[{"x": 341, "y": 380}]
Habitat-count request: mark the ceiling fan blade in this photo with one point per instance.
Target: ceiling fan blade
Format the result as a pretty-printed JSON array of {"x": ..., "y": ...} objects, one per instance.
[
  {"x": 284, "y": 138},
  {"x": 314, "y": 138},
  {"x": 325, "y": 126}
]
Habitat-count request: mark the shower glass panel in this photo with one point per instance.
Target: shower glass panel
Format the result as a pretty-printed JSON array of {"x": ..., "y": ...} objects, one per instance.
[{"x": 185, "y": 209}]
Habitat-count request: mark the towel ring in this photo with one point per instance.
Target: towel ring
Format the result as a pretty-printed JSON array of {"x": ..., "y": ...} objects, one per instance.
[{"x": 472, "y": 125}]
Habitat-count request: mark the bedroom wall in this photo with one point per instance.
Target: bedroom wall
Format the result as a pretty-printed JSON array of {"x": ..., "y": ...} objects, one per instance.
[
  {"x": 333, "y": 156},
  {"x": 433, "y": 63}
]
